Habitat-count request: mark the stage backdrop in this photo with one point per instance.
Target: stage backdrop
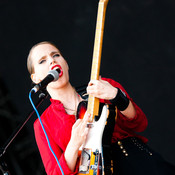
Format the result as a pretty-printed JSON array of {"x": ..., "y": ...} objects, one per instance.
[{"x": 138, "y": 52}]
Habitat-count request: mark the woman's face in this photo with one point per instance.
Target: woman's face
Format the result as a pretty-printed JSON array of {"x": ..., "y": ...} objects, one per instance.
[{"x": 46, "y": 57}]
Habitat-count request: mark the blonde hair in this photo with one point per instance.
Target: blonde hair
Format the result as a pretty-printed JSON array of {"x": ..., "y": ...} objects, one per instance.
[{"x": 30, "y": 66}]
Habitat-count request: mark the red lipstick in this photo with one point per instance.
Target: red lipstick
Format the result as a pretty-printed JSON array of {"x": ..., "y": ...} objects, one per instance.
[{"x": 59, "y": 69}]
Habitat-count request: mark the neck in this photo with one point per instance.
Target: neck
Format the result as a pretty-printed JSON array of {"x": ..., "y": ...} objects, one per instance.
[
  {"x": 68, "y": 97},
  {"x": 62, "y": 94}
]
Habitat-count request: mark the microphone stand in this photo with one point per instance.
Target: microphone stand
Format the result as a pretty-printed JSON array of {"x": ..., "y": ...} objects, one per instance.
[{"x": 3, "y": 166}]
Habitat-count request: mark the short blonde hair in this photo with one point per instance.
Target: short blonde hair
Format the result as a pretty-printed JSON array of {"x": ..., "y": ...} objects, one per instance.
[{"x": 30, "y": 66}]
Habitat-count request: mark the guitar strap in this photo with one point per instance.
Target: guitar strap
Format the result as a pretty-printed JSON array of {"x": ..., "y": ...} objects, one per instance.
[{"x": 81, "y": 90}]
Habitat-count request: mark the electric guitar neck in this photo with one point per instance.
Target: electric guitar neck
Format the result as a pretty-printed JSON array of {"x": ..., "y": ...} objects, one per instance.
[
  {"x": 91, "y": 159},
  {"x": 93, "y": 103}
]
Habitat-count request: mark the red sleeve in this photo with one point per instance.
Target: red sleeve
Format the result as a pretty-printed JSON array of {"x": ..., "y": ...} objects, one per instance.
[
  {"x": 48, "y": 159},
  {"x": 139, "y": 122}
]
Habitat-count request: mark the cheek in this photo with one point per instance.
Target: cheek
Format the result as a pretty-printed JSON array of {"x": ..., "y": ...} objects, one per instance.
[
  {"x": 41, "y": 74},
  {"x": 66, "y": 67}
]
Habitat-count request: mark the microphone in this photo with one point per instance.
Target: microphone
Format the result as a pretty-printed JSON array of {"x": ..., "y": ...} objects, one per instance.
[{"x": 53, "y": 75}]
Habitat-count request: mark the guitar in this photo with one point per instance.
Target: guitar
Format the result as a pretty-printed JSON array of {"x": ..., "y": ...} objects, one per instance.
[{"x": 91, "y": 155}]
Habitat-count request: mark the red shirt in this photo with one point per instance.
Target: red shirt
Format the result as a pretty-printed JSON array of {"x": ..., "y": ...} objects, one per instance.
[{"x": 58, "y": 125}]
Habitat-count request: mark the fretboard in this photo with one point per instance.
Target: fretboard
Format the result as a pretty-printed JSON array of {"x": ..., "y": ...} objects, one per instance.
[{"x": 93, "y": 103}]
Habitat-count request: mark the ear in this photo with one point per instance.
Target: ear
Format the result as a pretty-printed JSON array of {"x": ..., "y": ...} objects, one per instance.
[{"x": 34, "y": 78}]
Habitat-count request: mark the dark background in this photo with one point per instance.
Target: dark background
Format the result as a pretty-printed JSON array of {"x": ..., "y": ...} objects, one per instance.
[{"x": 138, "y": 51}]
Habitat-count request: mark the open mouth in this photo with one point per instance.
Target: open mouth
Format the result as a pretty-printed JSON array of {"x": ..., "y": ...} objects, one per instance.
[{"x": 58, "y": 69}]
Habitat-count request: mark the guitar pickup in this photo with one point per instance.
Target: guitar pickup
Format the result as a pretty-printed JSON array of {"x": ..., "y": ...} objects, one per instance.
[{"x": 83, "y": 168}]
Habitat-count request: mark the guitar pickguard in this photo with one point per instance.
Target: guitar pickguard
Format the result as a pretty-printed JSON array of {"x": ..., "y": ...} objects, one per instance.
[{"x": 91, "y": 161}]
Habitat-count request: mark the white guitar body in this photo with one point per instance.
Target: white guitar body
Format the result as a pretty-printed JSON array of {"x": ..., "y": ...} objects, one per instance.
[{"x": 91, "y": 151}]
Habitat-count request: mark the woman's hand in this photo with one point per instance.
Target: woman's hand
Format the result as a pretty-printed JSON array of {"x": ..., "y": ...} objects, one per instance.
[
  {"x": 101, "y": 89},
  {"x": 78, "y": 136},
  {"x": 79, "y": 131}
]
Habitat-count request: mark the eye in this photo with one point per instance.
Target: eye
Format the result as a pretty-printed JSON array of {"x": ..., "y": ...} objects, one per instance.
[
  {"x": 42, "y": 61},
  {"x": 56, "y": 55}
]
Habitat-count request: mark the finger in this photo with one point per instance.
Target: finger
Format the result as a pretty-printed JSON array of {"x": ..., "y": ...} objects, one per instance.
[
  {"x": 85, "y": 132},
  {"x": 85, "y": 120},
  {"x": 100, "y": 78},
  {"x": 77, "y": 123},
  {"x": 86, "y": 116},
  {"x": 92, "y": 89},
  {"x": 92, "y": 82}
]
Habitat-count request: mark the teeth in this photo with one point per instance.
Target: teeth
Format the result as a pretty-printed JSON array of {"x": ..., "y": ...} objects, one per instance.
[{"x": 57, "y": 69}]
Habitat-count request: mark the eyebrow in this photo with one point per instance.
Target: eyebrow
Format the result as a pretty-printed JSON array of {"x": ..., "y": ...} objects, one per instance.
[
  {"x": 52, "y": 53},
  {"x": 43, "y": 57}
]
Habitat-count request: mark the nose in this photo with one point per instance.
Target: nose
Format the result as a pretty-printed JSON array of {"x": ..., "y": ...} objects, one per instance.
[{"x": 51, "y": 60}]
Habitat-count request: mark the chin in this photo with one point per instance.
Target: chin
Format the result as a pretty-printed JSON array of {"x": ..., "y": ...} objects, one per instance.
[{"x": 60, "y": 83}]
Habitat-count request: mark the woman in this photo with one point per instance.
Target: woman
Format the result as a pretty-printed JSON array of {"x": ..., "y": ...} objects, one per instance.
[{"x": 65, "y": 133}]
